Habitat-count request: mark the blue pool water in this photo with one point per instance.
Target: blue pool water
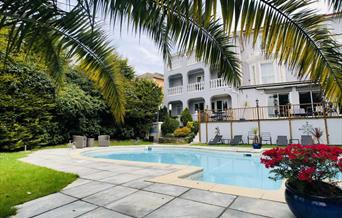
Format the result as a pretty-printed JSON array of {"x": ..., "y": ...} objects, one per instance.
[{"x": 231, "y": 168}]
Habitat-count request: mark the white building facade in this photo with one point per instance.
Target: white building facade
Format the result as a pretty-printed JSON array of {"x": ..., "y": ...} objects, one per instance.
[{"x": 194, "y": 85}]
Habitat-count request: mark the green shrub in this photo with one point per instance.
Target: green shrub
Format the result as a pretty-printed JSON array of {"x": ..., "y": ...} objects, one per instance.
[
  {"x": 169, "y": 126},
  {"x": 182, "y": 132},
  {"x": 194, "y": 126},
  {"x": 185, "y": 117},
  {"x": 190, "y": 137}
]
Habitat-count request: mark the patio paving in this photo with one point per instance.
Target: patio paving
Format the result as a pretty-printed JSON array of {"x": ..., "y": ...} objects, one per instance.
[{"x": 107, "y": 189}]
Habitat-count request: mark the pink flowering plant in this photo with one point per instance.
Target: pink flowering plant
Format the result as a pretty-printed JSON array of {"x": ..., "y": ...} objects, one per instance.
[{"x": 312, "y": 168}]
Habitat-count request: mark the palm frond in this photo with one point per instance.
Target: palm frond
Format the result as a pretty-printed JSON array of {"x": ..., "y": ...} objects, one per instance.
[
  {"x": 175, "y": 22},
  {"x": 336, "y": 5},
  {"x": 46, "y": 29},
  {"x": 292, "y": 34}
]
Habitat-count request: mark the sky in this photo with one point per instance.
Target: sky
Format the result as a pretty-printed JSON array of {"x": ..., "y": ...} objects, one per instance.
[{"x": 141, "y": 51}]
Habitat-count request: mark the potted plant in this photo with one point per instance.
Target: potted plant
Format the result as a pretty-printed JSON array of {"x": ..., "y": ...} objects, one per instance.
[
  {"x": 256, "y": 140},
  {"x": 311, "y": 178},
  {"x": 317, "y": 133}
]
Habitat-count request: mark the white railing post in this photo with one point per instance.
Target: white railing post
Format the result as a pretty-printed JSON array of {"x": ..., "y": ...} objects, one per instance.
[
  {"x": 218, "y": 83},
  {"x": 175, "y": 90}
]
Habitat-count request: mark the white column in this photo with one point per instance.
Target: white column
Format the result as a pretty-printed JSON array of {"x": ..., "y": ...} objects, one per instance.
[{"x": 294, "y": 96}]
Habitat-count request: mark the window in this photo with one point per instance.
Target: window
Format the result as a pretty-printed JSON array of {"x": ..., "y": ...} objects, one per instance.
[
  {"x": 199, "y": 79},
  {"x": 199, "y": 106},
  {"x": 278, "y": 104},
  {"x": 267, "y": 73},
  {"x": 309, "y": 100}
]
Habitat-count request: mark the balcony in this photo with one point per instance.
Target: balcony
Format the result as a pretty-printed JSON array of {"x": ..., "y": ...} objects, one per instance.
[
  {"x": 195, "y": 87},
  {"x": 218, "y": 83},
  {"x": 177, "y": 90}
]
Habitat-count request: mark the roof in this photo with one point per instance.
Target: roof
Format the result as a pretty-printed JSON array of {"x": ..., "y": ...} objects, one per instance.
[{"x": 152, "y": 75}]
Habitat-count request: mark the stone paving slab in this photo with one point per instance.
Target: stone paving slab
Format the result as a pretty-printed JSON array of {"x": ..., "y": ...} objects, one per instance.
[
  {"x": 186, "y": 208},
  {"x": 84, "y": 190},
  {"x": 70, "y": 210},
  {"x": 40, "y": 205},
  {"x": 229, "y": 213},
  {"x": 121, "y": 178},
  {"x": 140, "y": 203},
  {"x": 262, "y": 207},
  {"x": 215, "y": 198},
  {"x": 109, "y": 195},
  {"x": 166, "y": 189},
  {"x": 77, "y": 182},
  {"x": 138, "y": 184},
  {"x": 99, "y": 175},
  {"x": 103, "y": 213}
]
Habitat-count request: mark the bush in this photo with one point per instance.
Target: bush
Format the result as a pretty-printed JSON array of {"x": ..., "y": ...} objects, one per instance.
[
  {"x": 194, "y": 126},
  {"x": 185, "y": 117},
  {"x": 182, "y": 132},
  {"x": 190, "y": 137},
  {"x": 169, "y": 126}
]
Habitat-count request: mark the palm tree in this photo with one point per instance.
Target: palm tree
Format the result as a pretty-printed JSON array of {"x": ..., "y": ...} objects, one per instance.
[{"x": 291, "y": 33}]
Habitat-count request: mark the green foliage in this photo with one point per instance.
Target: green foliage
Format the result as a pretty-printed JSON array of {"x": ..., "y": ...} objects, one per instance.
[
  {"x": 143, "y": 99},
  {"x": 186, "y": 116},
  {"x": 169, "y": 125},
  {"x": 27, "y": 106},
  {"x": 162, "y": 114},
  {"x": 182, "y": 132},
  {"x": 189, "y": 138}
]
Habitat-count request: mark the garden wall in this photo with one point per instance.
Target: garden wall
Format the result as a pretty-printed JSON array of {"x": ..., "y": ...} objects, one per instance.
[{"x": 297, "y": 127}]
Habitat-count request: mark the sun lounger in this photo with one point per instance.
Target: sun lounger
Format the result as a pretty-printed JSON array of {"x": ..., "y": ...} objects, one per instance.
[
  {"x": 216, "y": 140},
  {"x": 266, "y": 137},
  {"x": 306, "y": 140},
  {"x": 237, "y": 140},
  {"x": 282, "y": 140}
]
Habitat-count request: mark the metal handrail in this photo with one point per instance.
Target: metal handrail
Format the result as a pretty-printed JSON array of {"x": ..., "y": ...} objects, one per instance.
[{"x": 315, "y": 110}]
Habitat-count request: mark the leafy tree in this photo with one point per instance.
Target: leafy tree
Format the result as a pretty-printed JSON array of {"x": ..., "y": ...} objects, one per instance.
[
  {"x": 27, "y": 105},
  {"x": 143, "y": 100},
  {"x": 186, "y": 116},
  {"x": 290, "y": 32},
  {"x": 162, "y": 114}
]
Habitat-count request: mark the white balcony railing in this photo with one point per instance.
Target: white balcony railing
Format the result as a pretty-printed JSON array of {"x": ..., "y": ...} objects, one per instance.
[
  {"x": 175, "y": 90},
  {"x": 195, "y": 87},
  {"x": 218, "y": 83}
]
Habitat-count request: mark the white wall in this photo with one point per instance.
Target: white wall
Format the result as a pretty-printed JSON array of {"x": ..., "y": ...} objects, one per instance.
[{"x": 276, "y": 128}]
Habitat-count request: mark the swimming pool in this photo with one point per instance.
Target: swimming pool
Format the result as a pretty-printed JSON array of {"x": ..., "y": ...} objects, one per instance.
[{"x": 230, "y": 168}]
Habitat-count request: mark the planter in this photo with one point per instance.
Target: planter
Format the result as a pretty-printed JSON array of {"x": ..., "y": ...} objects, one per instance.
[
  {"x": 90, "y": 142},
  {"x": 257, "y": 145},
  {"x": 308, "y": 206}
]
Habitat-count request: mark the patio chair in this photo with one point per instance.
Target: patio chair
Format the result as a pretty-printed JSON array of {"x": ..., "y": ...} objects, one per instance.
[
  {"x": 282, "y": 140},
  {"x": 104, "y": 140},
  {"x": 306, "y": 140},
  {"x": 251, "y": 136},
  {"x": 79, "y": 141},
  {"x": 237, "y": 140},
  {"x": 266, "y": 137},
  {"x": 216, "y": 140}
]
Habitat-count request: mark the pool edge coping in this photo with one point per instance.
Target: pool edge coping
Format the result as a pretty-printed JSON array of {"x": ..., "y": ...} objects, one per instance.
[{"x": 183, "y": 171}]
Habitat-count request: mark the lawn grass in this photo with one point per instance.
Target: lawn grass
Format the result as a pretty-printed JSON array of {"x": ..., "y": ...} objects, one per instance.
[
  {"x": 21, "y": 182},
  {"x": 241, "y": 146},
  {"x": 129, "y": 142}
]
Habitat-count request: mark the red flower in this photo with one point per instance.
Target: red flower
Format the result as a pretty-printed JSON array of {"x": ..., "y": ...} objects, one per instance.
[
  {"x": 304, "y": 163},
  {"x": 306, "y": 174}
]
